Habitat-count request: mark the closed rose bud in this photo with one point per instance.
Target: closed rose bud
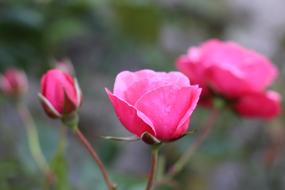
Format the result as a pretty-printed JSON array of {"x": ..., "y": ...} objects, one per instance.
[
  {"x": 60, "y": 94},
  {"x": 156, "y": 103},
  {"x": 230, "y": 71},
  {"x": 13, "y": 82}
]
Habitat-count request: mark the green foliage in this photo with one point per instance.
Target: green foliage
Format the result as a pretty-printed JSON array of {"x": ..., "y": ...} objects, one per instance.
[
  {"x": 13, "y": 176},
  {"x": 59, "y": 167},
  {"x": 32, "y": 33},
  {"x": 58, "y": 164},
  {"x": 140, "y": 22}
]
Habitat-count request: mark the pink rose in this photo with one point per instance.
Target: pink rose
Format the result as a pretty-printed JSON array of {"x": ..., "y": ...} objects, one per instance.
[
  {"x": 228, "y": 70},
  {"x": 60, "y": 93},
  {"x": 13, "y": 82},
  {"x": 154, "y": 102}
]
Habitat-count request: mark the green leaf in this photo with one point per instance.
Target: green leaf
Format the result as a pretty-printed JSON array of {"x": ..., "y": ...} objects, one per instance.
[{"x": 128, "y": 139}]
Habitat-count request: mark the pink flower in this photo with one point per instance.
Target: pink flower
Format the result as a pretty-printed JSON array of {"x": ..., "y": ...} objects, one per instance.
[
  {"x": 60, "y": 93},
  {"x": 152, "y": 102},
  {"x": 228, "y": 70},
  {"x": 13, "y": 82}
]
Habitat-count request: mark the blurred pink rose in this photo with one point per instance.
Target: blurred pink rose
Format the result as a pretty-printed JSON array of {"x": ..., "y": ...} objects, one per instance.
[
  {"x": 155, "y": 102},
  {"x": 13, "y": 82},
  {"x": 60, "y": 94},
  {"x": 229, "y": 70}
]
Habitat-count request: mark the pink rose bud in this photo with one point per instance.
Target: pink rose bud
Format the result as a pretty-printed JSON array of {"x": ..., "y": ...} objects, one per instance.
[
  {"x": 154, "y": 103},
  {"x": 225, "y": 69},
  {"x": 13, "y": 82},
  {"x": 60, "y": 94}
]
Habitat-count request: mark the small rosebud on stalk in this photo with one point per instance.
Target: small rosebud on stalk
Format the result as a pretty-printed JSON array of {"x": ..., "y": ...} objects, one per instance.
[
  {"x": 61, "y": 98},
  {"x": 13, "y": 83},
  {"x": 60, "y": 95}
]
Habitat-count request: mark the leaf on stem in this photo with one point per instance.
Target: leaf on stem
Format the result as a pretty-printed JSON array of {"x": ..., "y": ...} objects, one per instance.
[{"x": 129, "y": 139}]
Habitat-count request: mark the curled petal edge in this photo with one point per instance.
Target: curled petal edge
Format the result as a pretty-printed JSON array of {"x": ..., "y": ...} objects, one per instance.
[
  {"x": 48, "y": 107},
  {"x": 139, "y": 115},
  {"x": 195, "y": 99}
]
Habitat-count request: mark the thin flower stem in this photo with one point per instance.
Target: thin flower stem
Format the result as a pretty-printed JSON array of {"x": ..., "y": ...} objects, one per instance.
[
  {"x": 183, "y": 160},
  {"x": 33, "y": 142},
  {"x": 154, "y": 161},
  {"x": 91, "y": 150}
]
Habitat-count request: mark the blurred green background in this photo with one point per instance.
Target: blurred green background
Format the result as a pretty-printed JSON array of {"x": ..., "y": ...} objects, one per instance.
[{"x": 104, "y": 37}]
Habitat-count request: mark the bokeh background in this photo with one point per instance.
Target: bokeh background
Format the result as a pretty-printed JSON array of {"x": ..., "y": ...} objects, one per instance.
[{"x": 104, "y": 37}]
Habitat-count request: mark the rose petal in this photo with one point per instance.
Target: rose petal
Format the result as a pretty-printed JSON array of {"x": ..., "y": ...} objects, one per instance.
[
  {"x": 226, "y": 82},
  {"x": 149, "y": 81},
  {"x": 182, "y": 130},
  {"x": 168, "y": 108},
  {"x": 260, "y": 72},
  {"x": 53, "y": 91},
  {"x": 128, "y": 116},
  {"x": 263, "y": 105},
  {"x": 48, "y": 107},
  {"x": 70, "y": 88},
  {"x": 127, "y": 78},
  {"x": 191, "y": 68},
  {"x": 194, "y": 98},
  {"x": 194, "y": 71}
]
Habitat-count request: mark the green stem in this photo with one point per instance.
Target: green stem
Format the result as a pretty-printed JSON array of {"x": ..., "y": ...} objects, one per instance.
[
  {"x": 62, "y": 143},
  {"x": 183, "y": 160},
  {"x": 154, "y": 164},
  {"x": 33, "y": 141},
  {"x": 93, "y": 153}
]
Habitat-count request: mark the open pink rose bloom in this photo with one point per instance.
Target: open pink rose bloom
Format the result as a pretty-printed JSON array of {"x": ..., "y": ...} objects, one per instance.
[
  {"x": 60, "y": 94},
  {"x": 239, "y": 75},
  {"x": 152, "y": 102}
]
